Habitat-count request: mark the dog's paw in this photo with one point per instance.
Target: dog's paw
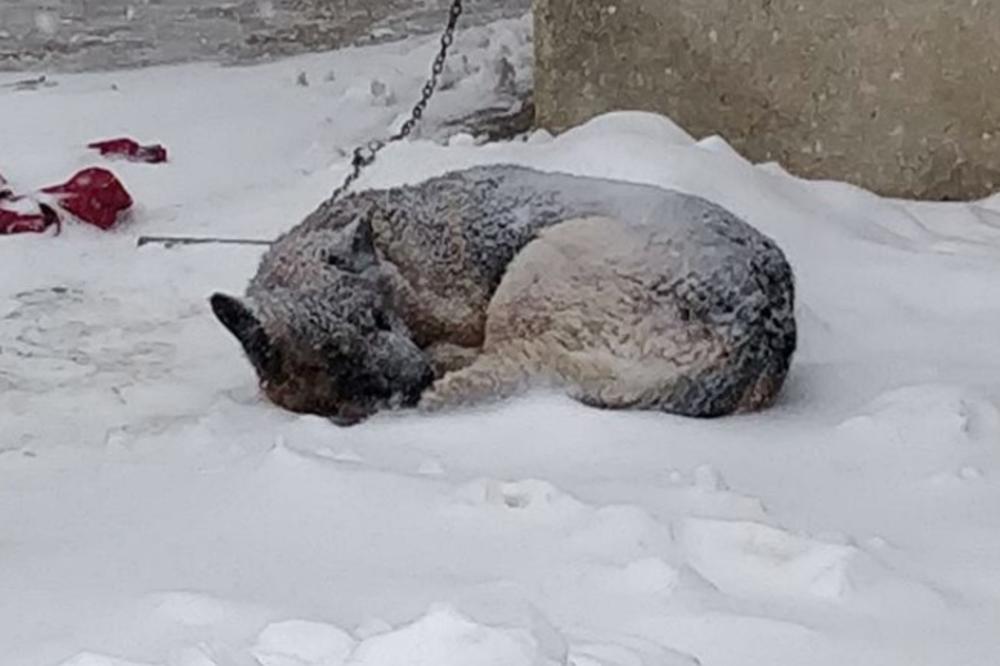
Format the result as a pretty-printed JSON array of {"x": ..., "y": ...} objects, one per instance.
[
  {"x": 446, "y": 357},
  {"x": 432, "y": 400}
]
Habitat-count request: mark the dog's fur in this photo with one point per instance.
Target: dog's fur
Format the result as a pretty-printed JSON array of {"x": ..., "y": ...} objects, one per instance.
[{"x": 494, "y": 279}]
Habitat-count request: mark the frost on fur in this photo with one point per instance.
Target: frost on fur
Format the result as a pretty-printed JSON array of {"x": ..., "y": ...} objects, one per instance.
[{"x": 495, "y": 279}]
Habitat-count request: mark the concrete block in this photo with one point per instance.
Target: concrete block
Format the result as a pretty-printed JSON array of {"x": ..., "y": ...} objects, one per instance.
[{"x": 898, "y": 96}]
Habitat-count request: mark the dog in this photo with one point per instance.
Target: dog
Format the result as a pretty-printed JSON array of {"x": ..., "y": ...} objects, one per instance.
[{"x": 483, "y": 283}]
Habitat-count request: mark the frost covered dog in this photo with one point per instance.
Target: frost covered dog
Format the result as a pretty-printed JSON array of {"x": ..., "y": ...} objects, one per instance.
[{"x": 486, "y": 282}]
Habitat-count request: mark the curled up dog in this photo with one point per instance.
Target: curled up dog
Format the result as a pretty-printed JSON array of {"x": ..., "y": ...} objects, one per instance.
[{"x": 485, "y": 283}]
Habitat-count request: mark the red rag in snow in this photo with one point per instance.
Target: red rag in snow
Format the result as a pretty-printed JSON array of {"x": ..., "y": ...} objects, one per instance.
[
  {"x": 17, "y": 222},
  {"x": 94, "y": 195},
  {"x": 131, "y": 150}
]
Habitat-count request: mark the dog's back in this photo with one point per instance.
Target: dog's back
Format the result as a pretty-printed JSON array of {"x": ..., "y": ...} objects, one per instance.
[
  {"x": 617, "y": 315},
  {"x": 452, "y": 237}
]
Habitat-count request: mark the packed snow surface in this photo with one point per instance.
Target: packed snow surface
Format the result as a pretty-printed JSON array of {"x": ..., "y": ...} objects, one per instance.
[{"x": 154, "y": 510}]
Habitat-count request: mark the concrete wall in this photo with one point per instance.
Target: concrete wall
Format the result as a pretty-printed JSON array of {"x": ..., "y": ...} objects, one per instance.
[{"x": 900, "y": 96}]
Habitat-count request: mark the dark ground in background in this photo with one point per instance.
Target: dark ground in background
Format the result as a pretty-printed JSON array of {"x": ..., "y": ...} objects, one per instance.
[{"x": 77, "y": 35}]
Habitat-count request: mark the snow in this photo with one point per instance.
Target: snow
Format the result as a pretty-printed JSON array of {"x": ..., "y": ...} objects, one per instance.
[
  {"x": 154, "y": 510},
  {"x": 295, "y": 642}
]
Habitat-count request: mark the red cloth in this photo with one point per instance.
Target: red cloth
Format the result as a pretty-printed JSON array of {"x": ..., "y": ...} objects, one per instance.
[
  {"x": 94, "y": 195},
  {"x": 15, "y": 221},
  {"x": 131, "y": 150}
]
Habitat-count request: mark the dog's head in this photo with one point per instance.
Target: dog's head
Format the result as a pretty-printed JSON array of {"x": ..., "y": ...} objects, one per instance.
[{"x": 321, "y": 332}]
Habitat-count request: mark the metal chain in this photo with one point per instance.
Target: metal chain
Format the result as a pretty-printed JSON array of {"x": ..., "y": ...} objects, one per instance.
[{"x": 365, "y": 155}]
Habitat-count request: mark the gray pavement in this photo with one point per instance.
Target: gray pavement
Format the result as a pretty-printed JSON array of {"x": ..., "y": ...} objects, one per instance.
[{"x": 80, "y": 35}]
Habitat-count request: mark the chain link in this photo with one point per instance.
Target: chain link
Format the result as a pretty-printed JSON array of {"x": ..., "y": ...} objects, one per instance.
[{"x": 365, "y": 155}]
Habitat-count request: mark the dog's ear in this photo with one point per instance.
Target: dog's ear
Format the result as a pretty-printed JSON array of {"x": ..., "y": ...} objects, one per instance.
[
  {"x": 363, "y": 237},
  {"x": 245, "y": 327}
]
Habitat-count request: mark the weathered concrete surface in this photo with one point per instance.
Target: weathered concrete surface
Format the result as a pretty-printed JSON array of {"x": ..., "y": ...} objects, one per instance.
[
  {"x": 900, "y": 96},
  {"x": 73, "y": 35}
]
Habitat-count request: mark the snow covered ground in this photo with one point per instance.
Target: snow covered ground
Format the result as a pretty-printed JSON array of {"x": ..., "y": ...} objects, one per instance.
[{"x": 154, "y": 510}]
